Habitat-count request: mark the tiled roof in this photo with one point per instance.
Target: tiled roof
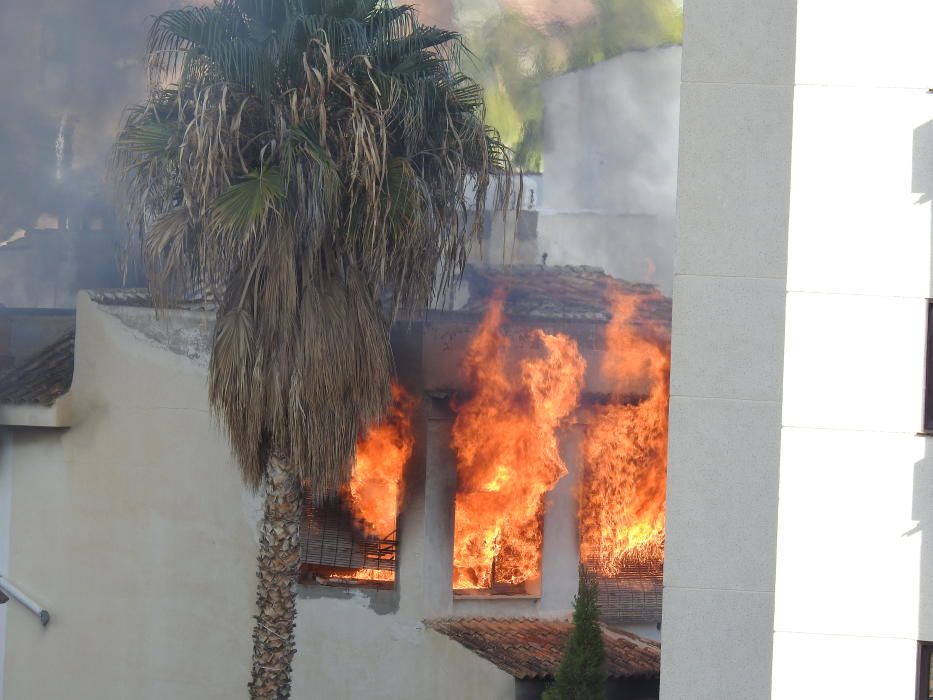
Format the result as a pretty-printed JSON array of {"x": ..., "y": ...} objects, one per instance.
[
  {"x": 551, "y": 292},
  {"x": 561, "y": 292},
  {"x": 42, "y": 378},
  {"x": 532, "y": 649},
  {"x": 143, "y": 299}
]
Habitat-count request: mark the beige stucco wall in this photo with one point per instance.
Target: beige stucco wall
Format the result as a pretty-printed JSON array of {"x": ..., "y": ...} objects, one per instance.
[
  {"x": 346, "y": 651},
  {"x": 133, "y": 529}
]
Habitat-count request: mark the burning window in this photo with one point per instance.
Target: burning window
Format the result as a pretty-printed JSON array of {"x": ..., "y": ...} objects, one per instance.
[
  {"x": 504, "y": 438},
  {"x": 622, "y": 498},
  {"x": 350, "y": 538},
  {"x": 335, "y": 549}
]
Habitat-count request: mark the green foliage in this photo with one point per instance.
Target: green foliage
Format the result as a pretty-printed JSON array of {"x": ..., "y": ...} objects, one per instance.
[
  {"x": 624, "y": 25},
  {"x": 582, "y": 671},
  {"x": 517, "y": 54},
  {"x": 306, "y": 161},
  {"x": 242, "y": 206}
]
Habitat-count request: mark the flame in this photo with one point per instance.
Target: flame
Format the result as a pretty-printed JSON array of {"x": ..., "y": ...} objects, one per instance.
[
  {"x": 375, "y": 489},
  {"x": 505, "y": 441},
  {"x": 365, "y": 575},
  {"x": 625, "y": 448}
]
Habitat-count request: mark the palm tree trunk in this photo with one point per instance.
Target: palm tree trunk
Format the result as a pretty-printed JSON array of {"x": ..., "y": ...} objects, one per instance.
[{"x": 274, "y": 633}]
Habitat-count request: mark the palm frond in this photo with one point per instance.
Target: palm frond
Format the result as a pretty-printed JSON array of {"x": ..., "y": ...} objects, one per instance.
[
  {"x": 309, "y": 159},
  {"x": 244, "y": 205},
  {"x": 149, "y": 139}
]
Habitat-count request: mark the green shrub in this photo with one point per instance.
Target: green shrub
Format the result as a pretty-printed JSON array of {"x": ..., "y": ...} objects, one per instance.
[{"x": 582, "y": 671}]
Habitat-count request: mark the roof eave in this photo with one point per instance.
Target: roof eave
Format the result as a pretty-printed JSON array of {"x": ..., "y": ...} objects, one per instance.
[{"x": 32, "y": 415}]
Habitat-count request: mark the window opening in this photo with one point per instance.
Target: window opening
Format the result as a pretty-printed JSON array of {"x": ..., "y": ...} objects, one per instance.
[
  {"x": 925, "y": 672},
  {"x": 336, "y": 551},
  {"x": 928, "y": 384}
]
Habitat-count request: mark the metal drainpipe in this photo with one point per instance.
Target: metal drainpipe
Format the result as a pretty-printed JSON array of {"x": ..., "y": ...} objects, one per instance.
[{"x": 13, "y": 592}]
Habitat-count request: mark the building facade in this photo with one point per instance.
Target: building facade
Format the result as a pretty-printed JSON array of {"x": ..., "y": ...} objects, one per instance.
[
  {"x": 122, "y": 514},
  {"x": 800, "y": 489}
]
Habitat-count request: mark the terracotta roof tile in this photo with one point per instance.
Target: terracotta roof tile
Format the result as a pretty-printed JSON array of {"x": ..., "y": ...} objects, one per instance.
[
  {"x": 42, "y": 378},
  {"x": 531, "y": 649},
  {"x": 561, "y": 292}
]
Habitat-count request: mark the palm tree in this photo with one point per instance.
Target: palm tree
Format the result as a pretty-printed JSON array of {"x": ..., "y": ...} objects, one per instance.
[{"x": 319, "y": 166}]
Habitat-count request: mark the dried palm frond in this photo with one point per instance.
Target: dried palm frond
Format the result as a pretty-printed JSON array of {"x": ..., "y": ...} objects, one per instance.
[{"x": 310, "y": 159}]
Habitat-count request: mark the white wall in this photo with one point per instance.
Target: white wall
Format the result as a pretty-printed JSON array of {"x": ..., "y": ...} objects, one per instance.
[
  {"x": 800, "y": 495},
  {"x": 855, "y": 495},
  {"x": 133, "y": 529}
]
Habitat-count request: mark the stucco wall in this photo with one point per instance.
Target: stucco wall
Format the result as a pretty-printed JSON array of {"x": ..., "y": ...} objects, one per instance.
[
  {"x": 133, "y": 529},
  {"x": 799, "y": 493},
  {"x": 346, "y": 651}
]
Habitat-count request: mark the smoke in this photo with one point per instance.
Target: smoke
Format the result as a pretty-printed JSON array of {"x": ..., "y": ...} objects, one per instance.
[{"x": 69, "y": 68}]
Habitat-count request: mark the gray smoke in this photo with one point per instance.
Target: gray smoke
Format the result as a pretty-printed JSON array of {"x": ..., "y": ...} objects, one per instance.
[
  {"x": 69, "y": 68},
  {"x": 608, "y": 133}
]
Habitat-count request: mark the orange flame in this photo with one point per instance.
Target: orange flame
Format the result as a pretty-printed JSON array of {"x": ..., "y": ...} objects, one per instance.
[
  {"x": 507, "y": 452},
  {"x": 375, "y": 489},
  {"x": 387, "y": 575},
  {"x": 625, "y": 448}
]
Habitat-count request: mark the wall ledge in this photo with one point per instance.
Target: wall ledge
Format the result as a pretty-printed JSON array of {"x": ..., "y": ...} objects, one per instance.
[{"x": 58, "y": 415}]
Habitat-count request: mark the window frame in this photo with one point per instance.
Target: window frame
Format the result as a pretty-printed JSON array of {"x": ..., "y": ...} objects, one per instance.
[
  {"x": 330, "y": 542},
  {"x": 924, "y": 670},
  {"x": 927, "y": 418}
]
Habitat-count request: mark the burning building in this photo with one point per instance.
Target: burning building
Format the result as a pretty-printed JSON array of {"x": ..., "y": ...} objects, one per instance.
[
  {"x": 539, "y": 442},
  {"x": 450, "y": 557},
  {"x": 526, "y": 437}
]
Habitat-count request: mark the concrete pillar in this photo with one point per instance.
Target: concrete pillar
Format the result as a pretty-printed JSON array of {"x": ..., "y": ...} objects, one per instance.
[
  {"x": 560, "y": 554},
  {"x": 728, "y": 331}
]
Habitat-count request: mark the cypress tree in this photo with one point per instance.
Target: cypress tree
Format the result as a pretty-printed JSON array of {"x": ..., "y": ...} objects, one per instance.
[{"x": 582, "y": 671}]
